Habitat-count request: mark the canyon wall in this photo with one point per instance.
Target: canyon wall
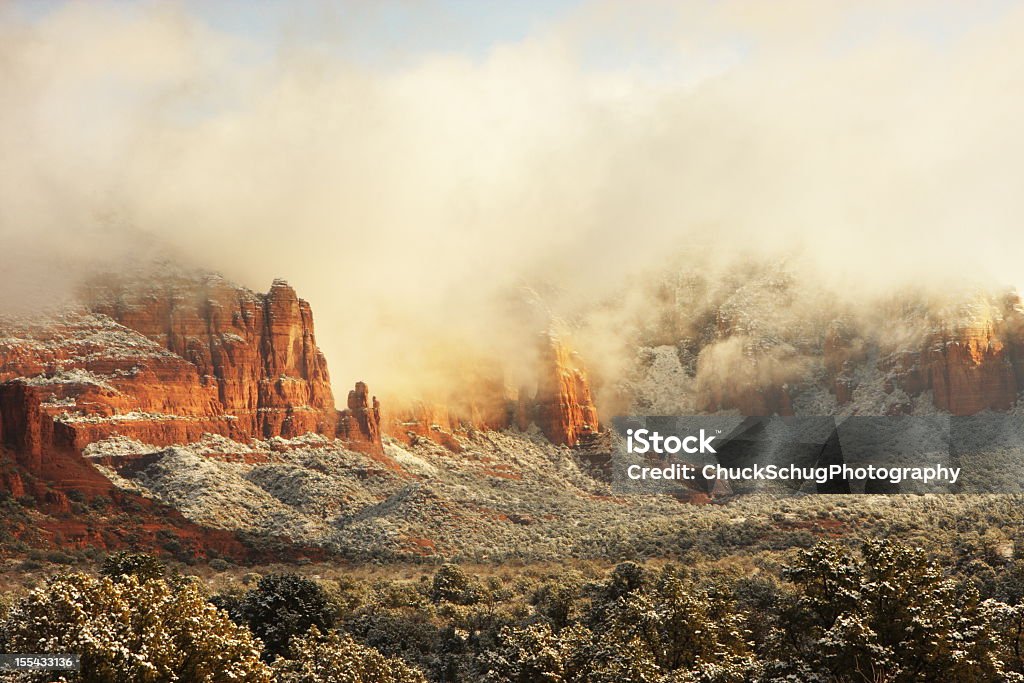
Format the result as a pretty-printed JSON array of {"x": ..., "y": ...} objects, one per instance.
[
  {"x": 559, "y": 402},
  {"x": 563, "y": 406},
  {"x": 969, "y": 362},
  {"x": 164, "y": 361},
  {"x": 256, "y": 353}
]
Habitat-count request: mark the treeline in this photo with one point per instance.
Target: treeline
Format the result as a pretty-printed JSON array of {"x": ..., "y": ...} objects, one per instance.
[{"x": 878, "y": 611}]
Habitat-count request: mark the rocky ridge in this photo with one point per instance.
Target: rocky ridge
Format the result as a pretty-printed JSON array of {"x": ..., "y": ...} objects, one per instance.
[
  {"x": 254, "y": 356},
  {"x": 142, "y": 364},
  {"x": 210, "y": 407},
  {"x": 765, "y": 343}
]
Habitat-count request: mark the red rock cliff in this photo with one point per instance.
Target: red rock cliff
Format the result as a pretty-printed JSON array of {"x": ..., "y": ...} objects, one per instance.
[
  {"x": 359, "y": 423},
  {"x": 970, "y": 369},
  {"x": 256, "y": 353},
  {"x": 74, "y": 378},
  {"x": 563, "y": 407},
  {"x": 193, "y": 356}
]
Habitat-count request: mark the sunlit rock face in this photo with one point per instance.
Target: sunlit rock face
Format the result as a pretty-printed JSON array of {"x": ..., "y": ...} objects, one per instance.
[
  {"x": 74, "y": 377},
  {"x": 558, "y": 401},
  {"x": 563, "y": 406},
  {"x": 971, "y": 370},
  {"x": 966, "y": 359},
  {"x": 256, "y": 353},
  {"x": 359, "y": 423}
]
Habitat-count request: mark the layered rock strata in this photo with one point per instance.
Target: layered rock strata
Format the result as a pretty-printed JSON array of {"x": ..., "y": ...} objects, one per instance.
[{"x": 254, "y": 354}]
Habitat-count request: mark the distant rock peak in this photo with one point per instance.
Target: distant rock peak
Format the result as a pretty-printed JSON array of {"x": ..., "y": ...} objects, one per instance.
[{"x": 561, "y": 407}]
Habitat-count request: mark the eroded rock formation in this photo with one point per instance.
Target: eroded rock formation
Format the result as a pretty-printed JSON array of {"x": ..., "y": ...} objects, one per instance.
[
  {"x": 967, "y": 361},
  {"x": 254, "y": 354},
  {"x": 359, "y": 423},
  {"x": 970, "y": 370},
  {"x": 561, "y": 405},
  {"x": 166, "y": 360}
]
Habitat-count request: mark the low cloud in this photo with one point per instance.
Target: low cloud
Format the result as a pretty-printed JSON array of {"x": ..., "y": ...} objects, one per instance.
[{"x": 445, "y": 206}]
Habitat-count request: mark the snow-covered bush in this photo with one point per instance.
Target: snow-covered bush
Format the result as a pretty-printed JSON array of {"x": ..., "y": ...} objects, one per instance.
[
  {"x": 336, "y": 658},
  {"x": 130, "y": 631},
  {"x": 888, "y": 613},
  {"x": 283, "y": 606}
]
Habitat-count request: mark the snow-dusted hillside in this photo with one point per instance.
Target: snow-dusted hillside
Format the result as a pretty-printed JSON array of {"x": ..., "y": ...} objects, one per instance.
[{"x": 507, "y": 494}]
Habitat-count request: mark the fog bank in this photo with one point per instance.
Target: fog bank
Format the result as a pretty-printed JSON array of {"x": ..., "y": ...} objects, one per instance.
[{"x": 438, "y": 205}]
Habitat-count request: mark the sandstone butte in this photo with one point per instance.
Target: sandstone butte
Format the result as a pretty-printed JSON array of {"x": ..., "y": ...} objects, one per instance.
[{"x": 167, "y": 359}]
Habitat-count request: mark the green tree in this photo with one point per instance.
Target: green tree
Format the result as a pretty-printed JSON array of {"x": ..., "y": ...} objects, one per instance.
[
  {"x": 281, "y": 607},
  {"x": 452, "y": 584},
  {"x": 674, "y": 626},
  {"x": 558, "y": 600},
  {"x": 536, "y": 653},
  {"x": 142, "y": 566}
]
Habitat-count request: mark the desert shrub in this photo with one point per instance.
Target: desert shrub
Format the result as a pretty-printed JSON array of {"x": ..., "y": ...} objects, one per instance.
[
  {"x": 890, "y": 613},
  {"x": 533, "y": 653},
  {"x": 1008, "y": 585},
  {"x": 452, "y": 584},
  {"x": 281, "y": 607},
  {"x": 624, "y": 579},
  {"x": 411, "y": 634},
  {"x": 141, "y": 566},
  {"x": 347, "y": 596},
  {"x": 559, "y": 600},
  {"x": 1008, "y": 623},
  {"x": 760, "y": 598},
  {"x": 336, "y": 658},
  {"x": 100, "y": 503},
  {"x": 666, "y": 625},
  {"x": 60, "y": 557},
  {"x": 399, "y": 594},
  {"x": 218, "y": 565},
  {"x": 230, "y": 603},
  {"x": 133, "y": 631}
]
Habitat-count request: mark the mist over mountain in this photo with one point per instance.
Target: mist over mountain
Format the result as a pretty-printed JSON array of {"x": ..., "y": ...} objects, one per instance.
[
  {"x": 436, "y": 206},
  {"x": 328, "y": 329}
]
